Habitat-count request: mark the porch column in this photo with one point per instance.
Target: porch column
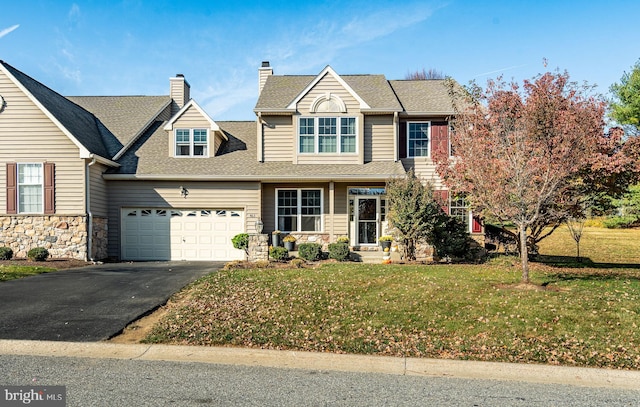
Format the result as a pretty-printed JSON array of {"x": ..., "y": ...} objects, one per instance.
[{"x": 332, "y": 198}]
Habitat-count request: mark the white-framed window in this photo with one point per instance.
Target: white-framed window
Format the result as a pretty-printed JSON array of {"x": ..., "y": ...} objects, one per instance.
[
  {"x": 30, "y": 184},
  {"x": 459, "y": 208},
  {"x": 418, "y": 139},
  {"x": 192, "y": 142},
  {"x": 299, "y": 210},
  {"x": 322, "y": 135}
]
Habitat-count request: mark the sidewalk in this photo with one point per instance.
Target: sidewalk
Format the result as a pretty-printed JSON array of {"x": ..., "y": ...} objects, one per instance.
[{"x": 544, "y": 374}]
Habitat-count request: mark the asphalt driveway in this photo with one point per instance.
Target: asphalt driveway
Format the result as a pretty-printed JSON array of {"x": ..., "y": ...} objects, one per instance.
[{"x": 90, "y": 303}]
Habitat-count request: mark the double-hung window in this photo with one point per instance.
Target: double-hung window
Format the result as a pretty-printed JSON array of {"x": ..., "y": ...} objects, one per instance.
[
  {"x": 327, "y": 135},
  {"x": 459, "y": 208},
  {"x": 418, "y": 135},
  {"x": 299, "y": 210},
  {"x": 30, "y": 188},
  {"x": 192, "y": 142}
]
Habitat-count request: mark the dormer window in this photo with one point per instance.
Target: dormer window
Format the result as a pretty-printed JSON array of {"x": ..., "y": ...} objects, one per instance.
[{"x": 192, "y": 142}]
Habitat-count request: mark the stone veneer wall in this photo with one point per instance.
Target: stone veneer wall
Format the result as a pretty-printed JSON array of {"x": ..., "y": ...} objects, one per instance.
[
  {"x": 62, "y": 236},
  {"x": 258, "y": 247},
  {"x": 100, "y": 238},
  {"x": 322, "y": 239}
]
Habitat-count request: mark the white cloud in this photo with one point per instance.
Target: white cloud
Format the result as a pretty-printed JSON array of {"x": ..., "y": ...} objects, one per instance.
[
  {"x": 74, "y": 13},
  {"x": 8, "y": 30},
  {"x": 318, "y": 44}
]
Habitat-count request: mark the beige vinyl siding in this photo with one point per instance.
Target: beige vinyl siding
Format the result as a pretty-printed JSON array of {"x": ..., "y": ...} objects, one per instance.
[
  {"x": 23, "y": 123},
  {"x": 341, "y": 210},
  {"x": 328, "y": 159},
  {"x": 243, "y": 196},
  {"x": 328, "y": 84},
  {"x": 378, "y": 138},
  {"x": 279, "y": 138},
  {"x": 425, "y": 169},
  {"x": 339, "y": 222},
  {"x": 269, "y": 204},
  {"x": 191, "y": 119},
  {"x": 98, "y": 194}
]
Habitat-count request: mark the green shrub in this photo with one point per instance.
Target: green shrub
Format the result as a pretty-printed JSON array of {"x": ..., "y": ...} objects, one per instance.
[
  {"x": 241, "y": 241},
  {"x": 310, "y": 251},
  {"x": 38, "y": 254},
  {"x": 6, "y": 253},
  {"x": 620, "y": 222},
  {"x": 339, "y": 251},
  {"x": 451, "y": 239},
  {"x": 278, "y": 253}
]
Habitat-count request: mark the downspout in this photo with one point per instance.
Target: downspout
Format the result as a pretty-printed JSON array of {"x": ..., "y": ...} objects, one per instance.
[
  {"x": 89, "y": 213},
  {"x": 396, "y": 154}
]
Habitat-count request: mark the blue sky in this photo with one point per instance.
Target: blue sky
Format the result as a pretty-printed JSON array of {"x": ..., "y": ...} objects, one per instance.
[{"x": 132, "y": 47}]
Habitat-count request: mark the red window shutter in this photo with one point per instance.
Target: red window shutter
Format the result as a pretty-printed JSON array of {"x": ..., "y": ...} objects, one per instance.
[
  {"x": 49, "y": 188},
  {"x": 12, "y": 188},
  {"x": 442, "y": 197},
  {"x": 476, "y": 226},
  {"x": 439, "y": 139},
  {"x": 402, "y": 140}
]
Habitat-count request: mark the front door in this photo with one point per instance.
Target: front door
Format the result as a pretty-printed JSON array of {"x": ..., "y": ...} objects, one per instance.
[{"x": 367, "y": 220}]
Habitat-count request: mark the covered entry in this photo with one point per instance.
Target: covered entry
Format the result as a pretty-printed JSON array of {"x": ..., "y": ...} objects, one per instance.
[
  {"x": 367, "y": 214},
  {"x": 180, "y": 234}
]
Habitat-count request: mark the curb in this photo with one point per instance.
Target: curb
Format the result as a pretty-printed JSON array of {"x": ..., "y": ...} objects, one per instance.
[{"x": 544, "y": 374}]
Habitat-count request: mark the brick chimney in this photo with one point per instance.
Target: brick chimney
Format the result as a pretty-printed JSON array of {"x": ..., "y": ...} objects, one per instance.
[
  {"x": 179, "y": 91},
  {"x": 263, "y": 73}
]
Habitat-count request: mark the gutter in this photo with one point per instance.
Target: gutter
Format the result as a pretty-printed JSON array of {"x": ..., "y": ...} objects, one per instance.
[
  {"x": 89, "y": 213},
  {"x": 263, "y": 178}
]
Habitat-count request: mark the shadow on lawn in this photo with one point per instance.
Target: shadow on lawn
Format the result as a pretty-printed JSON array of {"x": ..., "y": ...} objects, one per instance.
[
  {"x": 585, "y": 262},
  {"x": 598, "y": 271}
]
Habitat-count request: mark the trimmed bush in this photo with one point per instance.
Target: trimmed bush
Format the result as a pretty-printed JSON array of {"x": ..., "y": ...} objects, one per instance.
[
  {"x": 278, "y": 253},
  {"x": 6, "y": 253},
  {"x": 310, "y": 251},
  {"x": 241, "y": 241},
  {"x": 38, "y": 254},
  {"x": 339, "y": 251}
]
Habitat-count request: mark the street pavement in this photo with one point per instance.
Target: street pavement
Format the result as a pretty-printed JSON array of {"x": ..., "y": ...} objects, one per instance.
[
  {"x": 90, "y": 303},
  {"x": 126, "y": 382}
]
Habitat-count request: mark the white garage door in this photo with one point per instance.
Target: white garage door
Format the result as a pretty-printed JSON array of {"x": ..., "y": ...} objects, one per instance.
[{"x": 181, "y": 234}]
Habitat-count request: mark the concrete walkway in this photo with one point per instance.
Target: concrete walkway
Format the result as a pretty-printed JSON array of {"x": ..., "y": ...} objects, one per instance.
[{"x": 544, "y": 374}]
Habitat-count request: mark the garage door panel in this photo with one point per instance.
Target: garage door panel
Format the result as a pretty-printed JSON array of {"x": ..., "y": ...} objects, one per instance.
[{"x": 177, "y": 234}]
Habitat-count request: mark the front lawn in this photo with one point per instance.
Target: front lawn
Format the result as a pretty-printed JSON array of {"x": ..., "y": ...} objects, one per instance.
[
  {"x": 12, "y": 271},
  {"x": 577, "y": 316}
]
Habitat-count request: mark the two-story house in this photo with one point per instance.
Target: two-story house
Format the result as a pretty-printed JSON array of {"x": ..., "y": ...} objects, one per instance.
[{"x": 155, "y": 178}]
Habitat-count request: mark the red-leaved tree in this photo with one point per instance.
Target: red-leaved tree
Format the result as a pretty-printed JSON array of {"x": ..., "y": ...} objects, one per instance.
[{"x": 519, "y": 150}]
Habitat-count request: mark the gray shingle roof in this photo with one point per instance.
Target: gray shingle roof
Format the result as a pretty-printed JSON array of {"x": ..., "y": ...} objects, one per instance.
[
  {"x": 279, "y": 91},
  {"x": 81, "y": 124},
  {"x": 125, "y": 116},
  {"x": 410, "y": 96},
  {"x": 236, "y": 160},
  {"x": 423, "y": 96}
]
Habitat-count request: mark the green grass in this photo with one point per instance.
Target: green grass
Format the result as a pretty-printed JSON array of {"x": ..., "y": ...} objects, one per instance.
[
  {"x": 12, "y": 272},
  {"x": 584, "y": 316}
]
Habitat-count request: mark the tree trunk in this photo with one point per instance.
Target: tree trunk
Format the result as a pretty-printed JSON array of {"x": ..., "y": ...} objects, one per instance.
[{"x": 524, "y": 254}]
